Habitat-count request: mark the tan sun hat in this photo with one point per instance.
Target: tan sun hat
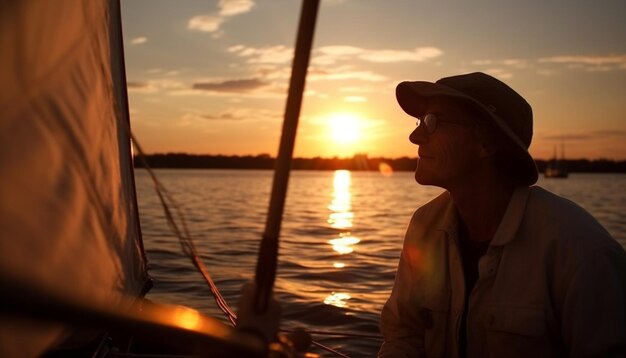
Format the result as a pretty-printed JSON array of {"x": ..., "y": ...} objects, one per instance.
[{"x": 506, "y": 109}]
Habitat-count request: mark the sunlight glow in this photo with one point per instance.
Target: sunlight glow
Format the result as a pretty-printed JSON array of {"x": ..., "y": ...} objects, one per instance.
[
  {"x": 343, "y": 244},
  {"x": 345, "y": 240},
  {"x": 341, "y": 182},
  {"x": 344, "y": 128},
  {"x": 337, "y": 299},
  {"x": 385, "y": 169},
  {"x": 341, "y": 208},
  {"x": 341, "y": 215},
  {"x": 341, "y": 220},
  {"x": 186, "y": 317}
]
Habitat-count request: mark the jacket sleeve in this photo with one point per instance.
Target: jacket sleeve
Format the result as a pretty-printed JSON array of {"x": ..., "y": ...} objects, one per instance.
[
  {"x": 399, "y": 324},
  {"x": 594, "y": 313}
]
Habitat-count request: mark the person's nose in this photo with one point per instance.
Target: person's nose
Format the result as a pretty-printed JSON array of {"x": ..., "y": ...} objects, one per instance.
[{"x": 418, "y": 136}]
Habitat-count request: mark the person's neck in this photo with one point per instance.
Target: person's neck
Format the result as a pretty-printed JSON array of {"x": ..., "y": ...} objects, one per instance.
[{"x": 481, "y": 204}]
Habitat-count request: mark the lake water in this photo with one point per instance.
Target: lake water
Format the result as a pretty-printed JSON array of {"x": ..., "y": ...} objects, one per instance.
[{"x": 341, "y": 237}]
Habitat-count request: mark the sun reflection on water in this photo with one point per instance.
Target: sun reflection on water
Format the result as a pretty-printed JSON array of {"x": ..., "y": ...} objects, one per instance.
[
  {"x": 341, "y": 218},
  {"x": 343, "y": 244},
  {"x": 337, "y": 299},
  {"x": 341, "y": 215},
  {"x": 341, "y": 205}
]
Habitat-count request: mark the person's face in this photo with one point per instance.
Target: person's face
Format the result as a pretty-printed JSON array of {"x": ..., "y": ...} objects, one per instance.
[{"x": 447, "y": 156}]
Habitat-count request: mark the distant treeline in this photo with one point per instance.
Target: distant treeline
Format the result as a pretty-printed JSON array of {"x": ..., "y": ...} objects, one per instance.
[{"x": 358, "y": 162}]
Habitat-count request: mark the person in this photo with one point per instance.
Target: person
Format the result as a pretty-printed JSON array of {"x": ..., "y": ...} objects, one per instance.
[{"x": 495, "y": 266}]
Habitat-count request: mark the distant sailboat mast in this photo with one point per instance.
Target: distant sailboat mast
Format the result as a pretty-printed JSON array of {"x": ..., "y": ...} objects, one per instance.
[{"x": 557, "y": 167}]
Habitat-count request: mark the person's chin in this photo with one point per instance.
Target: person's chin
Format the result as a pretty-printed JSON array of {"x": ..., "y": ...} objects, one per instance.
[
  {"x": 422, "y": 179},
  {"x": 422, "y": 175}
]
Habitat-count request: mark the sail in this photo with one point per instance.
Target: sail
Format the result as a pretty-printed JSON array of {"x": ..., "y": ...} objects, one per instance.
[{"x": 68, "y": 215}]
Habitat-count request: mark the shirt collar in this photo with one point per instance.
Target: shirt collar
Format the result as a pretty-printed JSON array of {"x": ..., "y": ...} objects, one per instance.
[
  {"x": 512, "y": 217},
  {"x": 508, "y": 225},
  {"x": 450, "y": 222}
]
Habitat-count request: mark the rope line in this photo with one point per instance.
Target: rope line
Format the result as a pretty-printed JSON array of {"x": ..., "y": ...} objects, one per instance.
[
  {"x": 328, "y": 349},
  {"x": 189, "y": 249},
  {"x": 184, "y": 237},
  {"x": 339, "y": 334}
]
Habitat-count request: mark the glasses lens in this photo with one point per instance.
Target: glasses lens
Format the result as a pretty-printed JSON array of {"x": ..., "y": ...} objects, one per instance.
[{"x": 430, "y": 120}]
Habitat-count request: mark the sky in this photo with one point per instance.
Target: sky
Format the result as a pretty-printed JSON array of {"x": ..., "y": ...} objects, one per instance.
[{"x": 211, "y": 77}]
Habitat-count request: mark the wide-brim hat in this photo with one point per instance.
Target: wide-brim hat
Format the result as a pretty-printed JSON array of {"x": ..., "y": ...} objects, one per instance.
[{"x": 505, "y": 109}]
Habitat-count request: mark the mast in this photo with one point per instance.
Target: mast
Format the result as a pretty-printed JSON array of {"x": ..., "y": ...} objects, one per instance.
[{"x": 268, "y": 252}]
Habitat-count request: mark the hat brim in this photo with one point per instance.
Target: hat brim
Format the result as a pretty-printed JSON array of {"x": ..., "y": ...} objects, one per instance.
[{"x": 413, "y": 99}]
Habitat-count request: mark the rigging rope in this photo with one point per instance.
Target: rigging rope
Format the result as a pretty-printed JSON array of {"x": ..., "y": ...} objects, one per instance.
[
  {"x": 189, "y": 249},
  {"x": 184, "y": 237},
  {"x": 269, "y": 245},
  {"x": 355, "y": 335}
]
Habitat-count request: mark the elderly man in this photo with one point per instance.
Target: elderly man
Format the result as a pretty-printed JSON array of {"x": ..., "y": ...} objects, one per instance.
[{"x": 495, "y": 267}]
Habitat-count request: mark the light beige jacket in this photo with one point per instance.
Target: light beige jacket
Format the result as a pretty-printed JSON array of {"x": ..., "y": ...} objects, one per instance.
[{"x": 552, "y": 284}]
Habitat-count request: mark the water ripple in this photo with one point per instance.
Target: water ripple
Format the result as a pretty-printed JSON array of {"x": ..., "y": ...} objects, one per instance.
[{"x": 320, "y": 286}]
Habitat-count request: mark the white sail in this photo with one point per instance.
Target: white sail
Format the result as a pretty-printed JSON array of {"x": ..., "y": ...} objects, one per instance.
[{"x": 68, "y": 215}]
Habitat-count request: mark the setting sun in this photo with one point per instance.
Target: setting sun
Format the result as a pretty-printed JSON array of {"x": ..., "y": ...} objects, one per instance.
[{"x": 344, "y": 128}]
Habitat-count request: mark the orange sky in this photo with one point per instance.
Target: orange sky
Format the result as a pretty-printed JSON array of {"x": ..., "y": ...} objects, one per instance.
[{"x": 211, "y": 77}]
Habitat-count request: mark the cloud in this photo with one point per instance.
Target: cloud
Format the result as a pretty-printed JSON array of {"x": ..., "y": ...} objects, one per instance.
[
  {"x": 237, "y": 85},
  {"x": 589, "y": 63},
  {"x": 329, "y": 55},
  {"x": 191, "y": 119},
  {"x": 390, "y": 56},
  {"x": 569, "y": 137},
  {"x": 279, "y": 75},
  {"x": 611, "y": 133},
  {"x": 138, "y": 40},
  {"x": 153, "y": 86},
  {"x": 593, "y": 135},
  {"x": 272, "y": 72},
  {"x": 226, "y": 9},
  {"x": 332, "y": 54},
  {"x": 266, "y": 55},
  {"x": 340, "y": 50},
  {"x": 275, "y": 72},
  {"x": 548, "y": 65},
  {"x": 499, "y": 73},
  {"x": 343, "y": 73},
  {"x": 510, "y": 62},
  {"x": 234, "y": 114},
  {"x": 205, "y": 23},
  {"x": 501, "y": 68},
  {"x": 234, "y": 89},
  {"x": 234, "y": 7},
  {"x": 269, "y": 70}
]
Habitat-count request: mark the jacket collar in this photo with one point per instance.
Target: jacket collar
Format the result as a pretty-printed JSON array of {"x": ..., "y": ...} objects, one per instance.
[
  {"x": 450, "y": 222},
  {"x": 508, "y": 225},
  {"x": 512, "y": 217}
]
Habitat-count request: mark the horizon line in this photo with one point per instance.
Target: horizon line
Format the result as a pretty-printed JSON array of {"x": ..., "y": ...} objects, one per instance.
[{"x": 354, "y": 156}]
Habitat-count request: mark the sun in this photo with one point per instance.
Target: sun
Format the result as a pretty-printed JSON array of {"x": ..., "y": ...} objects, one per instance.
[{"x": 344, "y": 128}]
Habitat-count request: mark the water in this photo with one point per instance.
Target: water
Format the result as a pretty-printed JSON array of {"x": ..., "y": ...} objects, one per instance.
[{"x": 342, "y": 233}]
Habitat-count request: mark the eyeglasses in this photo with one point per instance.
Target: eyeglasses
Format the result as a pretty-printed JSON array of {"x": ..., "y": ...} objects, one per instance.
[{"x": 431, "y": 120}]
